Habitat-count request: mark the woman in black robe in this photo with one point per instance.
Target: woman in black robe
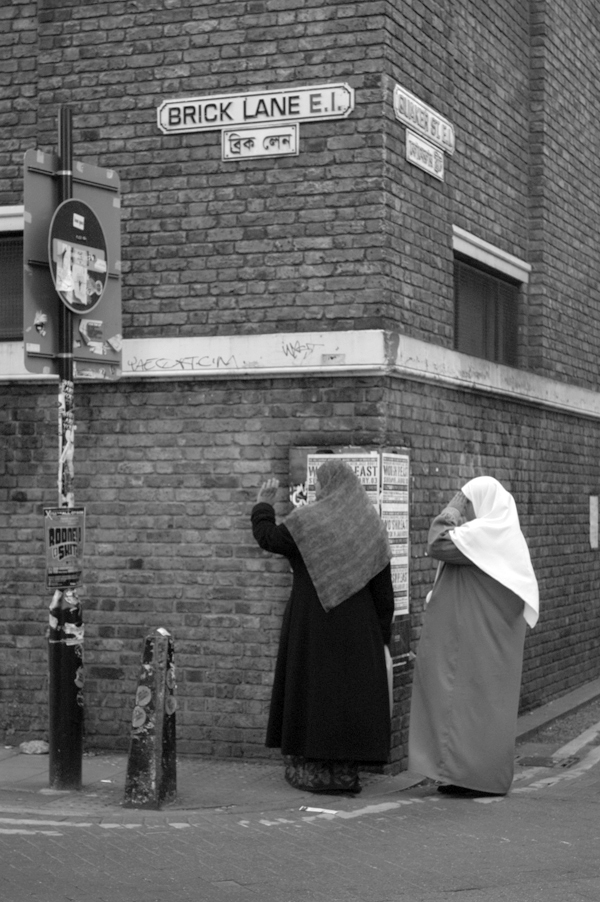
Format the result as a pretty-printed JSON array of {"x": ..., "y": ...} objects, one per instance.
[{"x": 330, "y": 703}]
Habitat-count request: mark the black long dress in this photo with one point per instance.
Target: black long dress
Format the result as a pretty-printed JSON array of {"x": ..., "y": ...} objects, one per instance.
[{"x": 330, "y": 695}]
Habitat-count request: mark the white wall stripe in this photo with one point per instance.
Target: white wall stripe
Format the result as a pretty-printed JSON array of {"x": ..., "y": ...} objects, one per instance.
[{"x": 369, "y": 352}]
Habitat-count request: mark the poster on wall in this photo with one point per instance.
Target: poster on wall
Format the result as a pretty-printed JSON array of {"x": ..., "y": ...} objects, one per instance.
[
  {"x": 385, "y": 476},
  {"x": 394, "y": 512},
  {"x": 366, "y": 467}
]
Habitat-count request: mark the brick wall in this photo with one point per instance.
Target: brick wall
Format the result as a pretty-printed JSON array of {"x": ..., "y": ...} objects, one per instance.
[
  {"x": 210, "y": 246},
  {"x": 19, "y": 94},
  {"x": 473, "y": 69},
  {"x": 549, "y": 463},
  {"x": 168, "y": 473},
  {"x": 565, "y": 191},
  {"x": 347, "y": 234}
]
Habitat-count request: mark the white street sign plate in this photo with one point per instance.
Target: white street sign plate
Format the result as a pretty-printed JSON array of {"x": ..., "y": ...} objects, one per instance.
[
  {"x": 424, "y": 155},
  {"x": 256, "y": 108},
  {"x": 423, "y": 119},
  {"x": 272, "y": 141}
]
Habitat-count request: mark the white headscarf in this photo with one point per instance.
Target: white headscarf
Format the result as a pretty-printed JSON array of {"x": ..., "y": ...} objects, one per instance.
[{"x": 495, "y": 543}]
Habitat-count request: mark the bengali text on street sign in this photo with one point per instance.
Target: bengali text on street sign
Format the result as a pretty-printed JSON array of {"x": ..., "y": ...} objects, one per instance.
[
  {"x": 424, "y": 155},
  {"x": 271, "y": 141}
]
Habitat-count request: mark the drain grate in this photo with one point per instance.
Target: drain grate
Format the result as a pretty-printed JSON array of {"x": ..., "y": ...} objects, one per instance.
[{"x": 547, "y": 761}]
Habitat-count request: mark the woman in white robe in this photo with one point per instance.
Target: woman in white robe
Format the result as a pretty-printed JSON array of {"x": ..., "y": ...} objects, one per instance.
[{"x": 469, "y": 660}]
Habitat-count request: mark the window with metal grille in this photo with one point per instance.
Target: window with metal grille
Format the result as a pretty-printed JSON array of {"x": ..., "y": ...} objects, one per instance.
[
  {"x": 11, "y": 286},
  {"x": 486, "y": 308}
]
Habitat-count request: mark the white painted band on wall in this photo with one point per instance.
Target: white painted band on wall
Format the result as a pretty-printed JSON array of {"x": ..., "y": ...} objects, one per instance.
[
  {"x": 369, "y": 352},
  {"x": 12, "y": 219}
]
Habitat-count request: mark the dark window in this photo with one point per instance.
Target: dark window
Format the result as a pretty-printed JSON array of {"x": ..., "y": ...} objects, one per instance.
[
  {"x": 486, "y": 308},
  {"x": 11, "y": 285}
]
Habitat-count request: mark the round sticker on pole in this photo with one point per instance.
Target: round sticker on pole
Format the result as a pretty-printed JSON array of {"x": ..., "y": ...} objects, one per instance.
[{"x": 77, "y": 255}]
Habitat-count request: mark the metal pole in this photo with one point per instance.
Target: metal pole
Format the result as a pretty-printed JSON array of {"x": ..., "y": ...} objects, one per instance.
[{"x": 65, "y": 637}]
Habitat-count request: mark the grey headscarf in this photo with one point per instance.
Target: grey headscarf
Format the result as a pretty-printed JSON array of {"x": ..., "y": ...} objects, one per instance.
[{"x": 341, "y": 538}]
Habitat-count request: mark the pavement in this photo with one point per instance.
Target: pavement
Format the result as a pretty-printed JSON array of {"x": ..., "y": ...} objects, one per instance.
[
  {"x": 207, "y": 785},
  {"x": 237, "y": 832}
]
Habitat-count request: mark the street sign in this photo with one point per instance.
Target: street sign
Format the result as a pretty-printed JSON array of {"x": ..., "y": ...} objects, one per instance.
[
  {"x": 77, "y": 255},
  {"x": 424, "y": 155},
  {"x": 97, "y": 336},
  {"x": 272, "y": 141},
  {"x": 423, "y": 119},
  {"x": 257, "y": 108}
]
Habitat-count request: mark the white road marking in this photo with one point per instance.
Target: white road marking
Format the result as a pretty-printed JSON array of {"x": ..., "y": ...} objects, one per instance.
[
  {"x": 12, "y": 832},
  {"x": 41, "y": 823}
]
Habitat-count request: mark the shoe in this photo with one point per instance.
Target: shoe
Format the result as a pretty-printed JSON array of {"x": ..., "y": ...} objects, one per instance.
[
  {"x": 449, "y": 789},
  {"x": 354, "y": 789},
  {"x": 351, "y": 788}
]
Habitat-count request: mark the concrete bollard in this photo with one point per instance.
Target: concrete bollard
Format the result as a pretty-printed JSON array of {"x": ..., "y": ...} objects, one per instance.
[{"x": 152, "y": 764}]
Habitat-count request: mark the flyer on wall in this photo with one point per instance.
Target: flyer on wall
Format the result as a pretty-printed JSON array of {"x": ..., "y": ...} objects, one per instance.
[
  {"x": 395, "y": 472},
  {"x": 365, "y": 465}
]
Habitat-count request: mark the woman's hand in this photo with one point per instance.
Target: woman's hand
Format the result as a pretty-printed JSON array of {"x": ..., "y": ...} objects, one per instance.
[{"x": 268, "y": 491}]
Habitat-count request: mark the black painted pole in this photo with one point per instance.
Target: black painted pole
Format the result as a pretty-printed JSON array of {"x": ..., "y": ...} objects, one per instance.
[{"x": 65, "y": 635}]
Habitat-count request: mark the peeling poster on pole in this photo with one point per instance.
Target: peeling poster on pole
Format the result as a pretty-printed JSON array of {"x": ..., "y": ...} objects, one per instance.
[{"x": 64, "y": 532}]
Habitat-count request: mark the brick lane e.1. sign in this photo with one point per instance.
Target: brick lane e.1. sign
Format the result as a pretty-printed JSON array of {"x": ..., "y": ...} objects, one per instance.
[{"x": 211, "y": 113}]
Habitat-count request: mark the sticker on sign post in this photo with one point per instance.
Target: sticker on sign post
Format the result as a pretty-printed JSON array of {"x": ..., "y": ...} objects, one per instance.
[
  {"x": 65, "y": 536},
  {"x": 77, "y": 256}
]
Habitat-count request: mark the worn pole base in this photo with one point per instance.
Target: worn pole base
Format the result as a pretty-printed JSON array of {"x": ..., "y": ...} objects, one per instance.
[{"x": 65, "y": 691}]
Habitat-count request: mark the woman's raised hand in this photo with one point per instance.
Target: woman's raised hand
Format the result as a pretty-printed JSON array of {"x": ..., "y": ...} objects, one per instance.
[{"x": 268, "y": 491}]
